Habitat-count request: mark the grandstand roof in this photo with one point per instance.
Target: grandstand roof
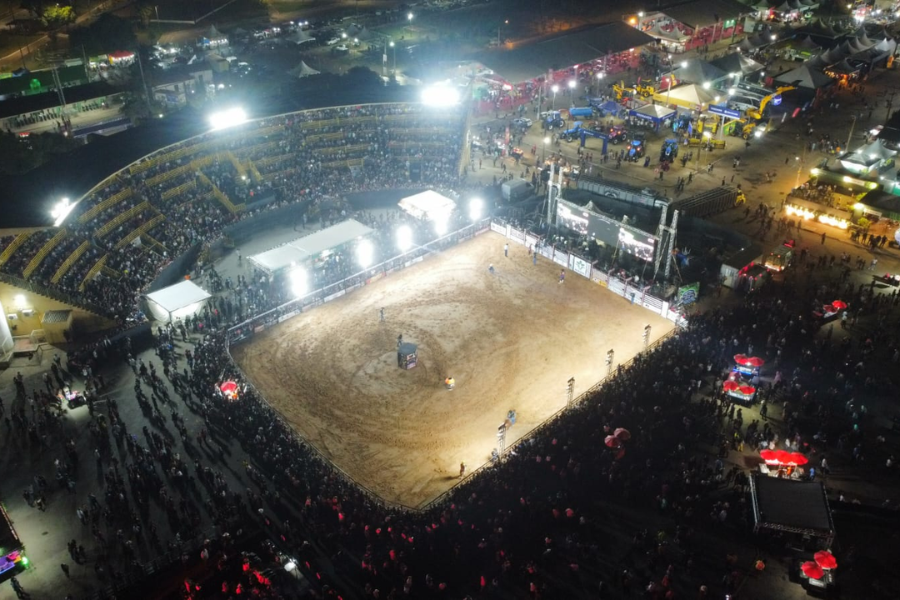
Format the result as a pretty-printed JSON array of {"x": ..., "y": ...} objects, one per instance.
[
  {"x": 27, "y": 198},
  {"x": 297, "y": 251},
  {"x": 534, "y": 59}
]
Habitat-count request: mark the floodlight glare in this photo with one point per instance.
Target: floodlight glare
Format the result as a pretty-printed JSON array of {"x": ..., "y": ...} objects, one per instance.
[
  {"x": 441, "y": 223},
  {"x": 572, "y": 84},
  {"x": 365, "y": 253},
  {"x": 476, "y": 207},
  {"x": 404, "y": 238},
  {"x": 299, "y": 282},
  {"x": 60, "y": 211},
  {"x": 440, "y": 95},
  {"x": 227, "y": 118}
]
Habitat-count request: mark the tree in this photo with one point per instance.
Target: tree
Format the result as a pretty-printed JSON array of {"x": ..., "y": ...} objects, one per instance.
[
  {"x": 56, "y": 16},
  {"x": 107, "y": 34}
]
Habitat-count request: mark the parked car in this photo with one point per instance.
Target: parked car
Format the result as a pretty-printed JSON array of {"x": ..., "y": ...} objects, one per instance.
[
  {"x": 333, "y": 41},
  {"x": 343, "y": 48},
  {"x": 523, "y": 122}
]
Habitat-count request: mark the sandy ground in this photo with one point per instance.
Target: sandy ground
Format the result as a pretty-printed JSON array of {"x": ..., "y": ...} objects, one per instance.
[{"x": 511, "y": 340}]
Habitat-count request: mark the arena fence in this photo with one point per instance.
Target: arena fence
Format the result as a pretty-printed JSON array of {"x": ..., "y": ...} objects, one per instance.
[
  {"x": 636, "y": 293},
  {"x": 259, "y": 323}
]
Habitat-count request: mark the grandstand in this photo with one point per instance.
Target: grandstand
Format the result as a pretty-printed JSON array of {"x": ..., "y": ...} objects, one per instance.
[{"x": 120, "y": 234}]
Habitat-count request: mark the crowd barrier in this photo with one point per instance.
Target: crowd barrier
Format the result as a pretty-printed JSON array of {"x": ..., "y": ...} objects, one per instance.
[{"x": 637, "y": 294}]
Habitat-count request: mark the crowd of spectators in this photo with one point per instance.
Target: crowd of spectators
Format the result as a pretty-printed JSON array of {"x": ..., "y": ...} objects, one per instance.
[
  {"x": 561, "y": 514},
  {"x": 317, "y": 157}
]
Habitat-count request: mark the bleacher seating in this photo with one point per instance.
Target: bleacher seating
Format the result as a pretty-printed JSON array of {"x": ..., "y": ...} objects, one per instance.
[{"x": 187, "y": 193}]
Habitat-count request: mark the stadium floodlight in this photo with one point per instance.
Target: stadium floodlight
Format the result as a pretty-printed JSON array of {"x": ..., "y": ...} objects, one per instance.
[
  {"x": 440, "y": 95},
  {"x": 299, "y": 282},
  {"x": 365, "y": 253},
  {"x": 227, "y": 118},
  {"x": 476, "y": 208},
  {"x": 60, "y": 211},
  {"x": 404, "y": 238}
]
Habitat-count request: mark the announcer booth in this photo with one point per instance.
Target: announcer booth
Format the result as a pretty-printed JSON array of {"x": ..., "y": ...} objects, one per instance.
[{"x": 178, "y": 301}]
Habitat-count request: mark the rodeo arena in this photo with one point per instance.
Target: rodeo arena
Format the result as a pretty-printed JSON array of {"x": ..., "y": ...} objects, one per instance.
[{"x": 313, "y": 356}]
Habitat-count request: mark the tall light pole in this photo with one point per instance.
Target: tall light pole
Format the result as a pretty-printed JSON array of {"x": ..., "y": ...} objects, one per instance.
[
  {"x": 572, "y": 84},
  {"x": 394, "y": 46},
  {"x": 554, "y": 89},
  {"x": 706, "y": 136},
  {"x": 599, "y": 79},
  {"x": 546, "y": 141}
]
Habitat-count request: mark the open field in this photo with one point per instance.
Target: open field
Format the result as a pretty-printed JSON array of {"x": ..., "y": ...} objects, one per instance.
[{"x": 511, "y": 340}]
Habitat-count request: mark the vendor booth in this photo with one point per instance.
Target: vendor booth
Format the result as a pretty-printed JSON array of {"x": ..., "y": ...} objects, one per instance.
[
  {"x": 296, "y": 252},
  {"x": 654, "y": 113},
  {"x": 692, "y": 97},
  {"x": 177, "y": 301},
  {"x": 796, "y": 509}
]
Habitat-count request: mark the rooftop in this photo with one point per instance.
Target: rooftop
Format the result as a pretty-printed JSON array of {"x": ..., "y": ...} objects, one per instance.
[
  {"x": 704, "y": 13},
  {"x": 533, "y": 59},
  {"x": 79, "y": 93}
]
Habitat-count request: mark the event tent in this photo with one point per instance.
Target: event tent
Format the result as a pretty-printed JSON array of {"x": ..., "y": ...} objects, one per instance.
[
  {"x": 687, "y": 96},
  {"x": 699, "y": 71},
  {"x": 786, "y": 505},
  {"x": 654, "y": 112},
  {"x": 428, "y": 205},
  {"x": 299, "y": 250},
  {"x": 806, "y": 78},
  {"x": 737, "y": 63},
  {"x": 302, "y": 37},
  {"x": 303, "y": 70},
  {"x": 176, "y": 301}
]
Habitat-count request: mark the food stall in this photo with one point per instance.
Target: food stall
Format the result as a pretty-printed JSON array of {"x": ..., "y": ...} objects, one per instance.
[
  {"x": 782, "y": 464},
  {"x": 830, "y": 312},
  {"x": 741, "y": 392},
  {"x": 748, "y": 366}
]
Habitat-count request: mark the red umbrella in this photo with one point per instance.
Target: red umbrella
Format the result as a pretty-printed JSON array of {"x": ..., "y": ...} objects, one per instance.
[
  {"x": 769, "y": 455},
  {"x": 747, "y": 389},
  {"x": 229, "y": 387},
  {"x": 754, "y": 361},
  {"x": 623, "y": 434},
  {"x": 730, "y": 386},
  {"x": 812, "y": 570},
  {"x": 612, "y": 441},
  {"x": 796, "y": 458},
  {"x": 782, "y": 456},
  {"x": 838, "y": 304},
  {"x": 620, "y": 454},
  {"x": 826, "y": 559},
  {"x": 740, "y": 358}
]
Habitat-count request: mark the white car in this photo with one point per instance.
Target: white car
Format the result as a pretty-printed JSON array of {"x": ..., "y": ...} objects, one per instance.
[
  {"x": 343, "y": 48},
  {"x": 333, "y": 41}
]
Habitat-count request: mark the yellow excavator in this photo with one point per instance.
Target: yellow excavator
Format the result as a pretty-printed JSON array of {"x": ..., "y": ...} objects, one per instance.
[
  {"x": 757, "y": 113},
  {"x": 643, "y": 91}
]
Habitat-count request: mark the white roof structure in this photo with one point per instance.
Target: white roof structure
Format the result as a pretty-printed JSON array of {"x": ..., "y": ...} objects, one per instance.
[
  {"x": 297, "y": 251},
  {"x": 176, "y": 301},
  {"x": 303, "y": 70},
  {"x": 429, "y": 205}
]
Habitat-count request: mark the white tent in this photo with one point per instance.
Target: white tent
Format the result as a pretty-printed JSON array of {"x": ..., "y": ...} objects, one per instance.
[
  {"x": 687, "y": 96},
  {"x": 303, "y": 70},
  {"x": 301, "y": 37},
  {"x": 176, "y": 301},
  {"x": 297, "y": 251},
  {"x": 428, "y": 205}
]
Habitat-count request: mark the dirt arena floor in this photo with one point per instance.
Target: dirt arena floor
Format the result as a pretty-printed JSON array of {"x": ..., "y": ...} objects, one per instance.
[{"x": 511, "y": 341}]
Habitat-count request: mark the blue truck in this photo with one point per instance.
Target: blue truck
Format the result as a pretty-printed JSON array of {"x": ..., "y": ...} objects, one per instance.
[{"x": 581, "y": 113}]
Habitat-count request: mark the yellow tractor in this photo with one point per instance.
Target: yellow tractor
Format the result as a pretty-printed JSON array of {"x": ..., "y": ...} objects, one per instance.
[
  {"x": 758, "y": 113},
  {"x": 642, "y": 91}
]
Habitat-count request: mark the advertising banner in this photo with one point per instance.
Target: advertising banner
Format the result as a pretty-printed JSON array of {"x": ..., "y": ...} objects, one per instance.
[
  {"x": 582, "y": 267},
  {"x": 561, "y": 258},
  {"x": 687, "y": 294},
  {"x": 516, "y": 235},
  {"x": 498, "y": 228}
]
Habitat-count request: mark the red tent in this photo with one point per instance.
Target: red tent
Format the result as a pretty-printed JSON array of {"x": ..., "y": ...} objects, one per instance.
[
  {"x": 740, "y": 358},
  {"x": 730, "y": 386},
  {"x": 623, "y": 434},
  {"x": 838, "y": 304},
  {"x": 795, "y": 458},
  {"x": 747, "y": 389},
  {"x": 754, "y": 361},
  {"x": 769, "y": 455},
  {"x": 228, "y": 388}
]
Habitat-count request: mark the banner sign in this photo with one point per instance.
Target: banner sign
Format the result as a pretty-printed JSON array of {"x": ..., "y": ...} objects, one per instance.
[
  {"x": 687, "y": 294},
  {"x": 561, "y": 258},
  {"x": 725, "y": 112},
  {"x": 498, "y": 228},
  {"x": 580, "y": 266},
  {"x": 516, "y": 235}
]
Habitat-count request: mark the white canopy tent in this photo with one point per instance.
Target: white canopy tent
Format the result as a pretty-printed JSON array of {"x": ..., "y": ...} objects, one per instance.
[
  {"x": 303, "y": 70},
  {"x": 176, "y": 301},
  {"x": 298, "y": 251},
  {"x": 428, "y": 205}
]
